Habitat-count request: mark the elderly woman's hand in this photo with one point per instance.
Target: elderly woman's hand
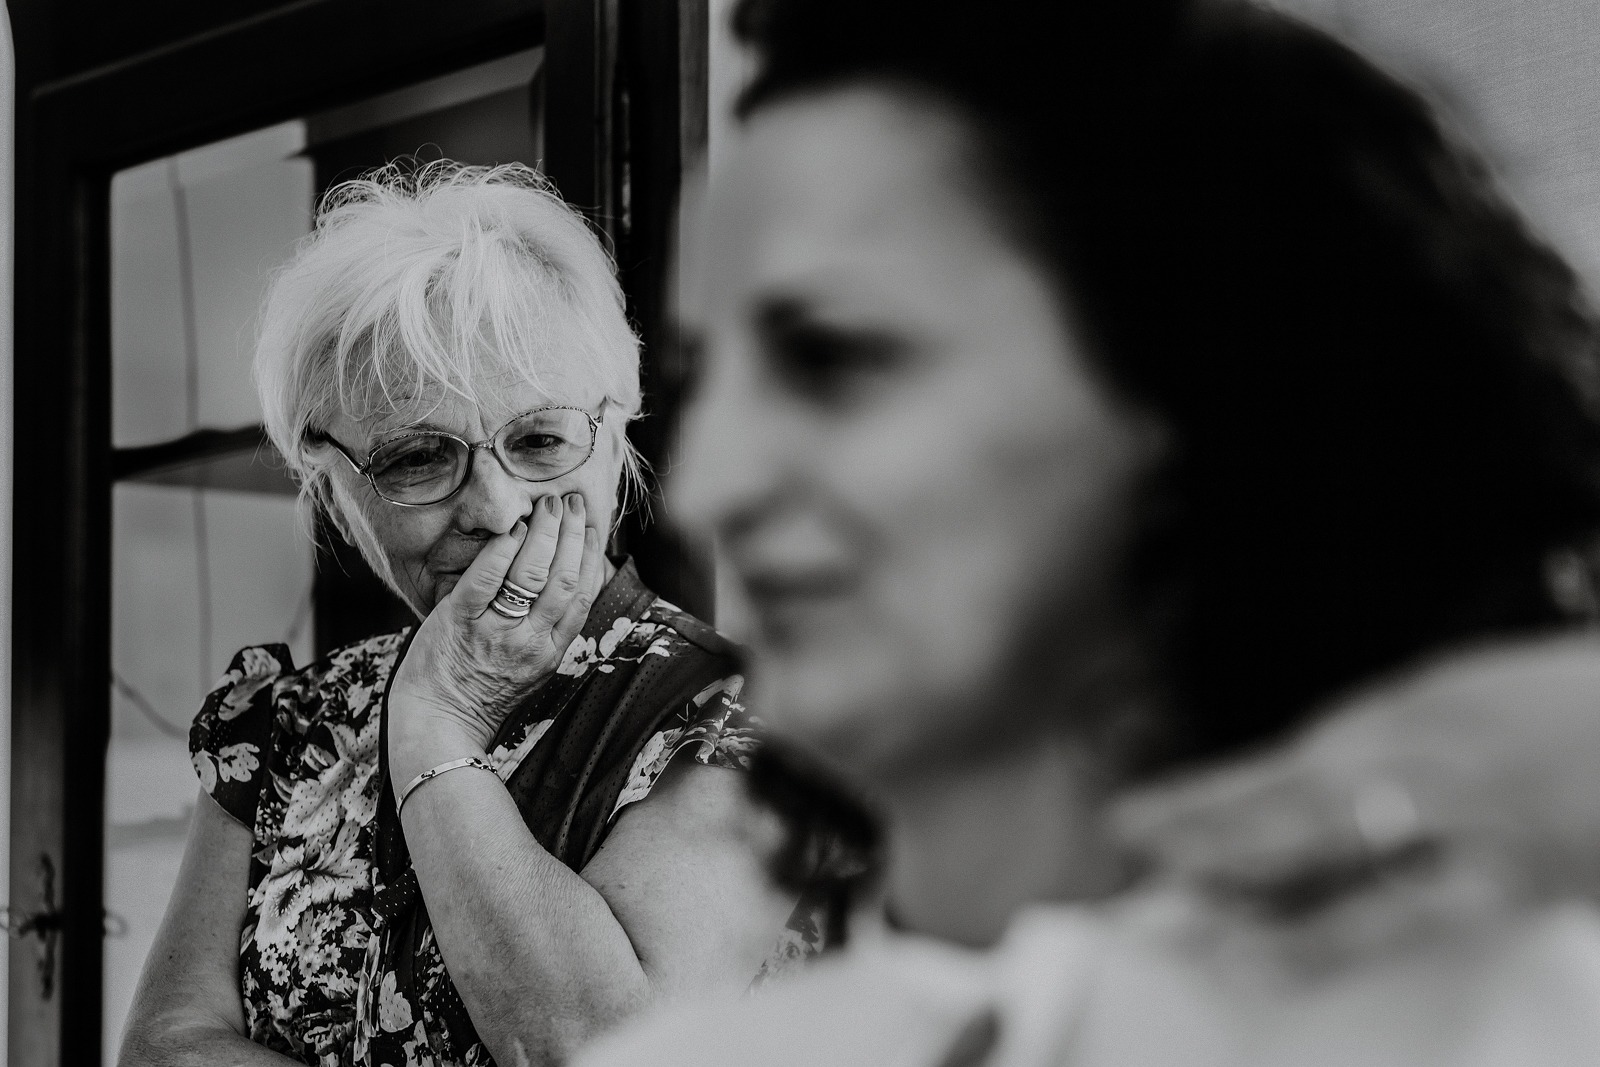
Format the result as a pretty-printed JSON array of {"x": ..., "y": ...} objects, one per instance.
[
  {"x": 1463, "y": 789},
  {"x": 469, "y": 665}
]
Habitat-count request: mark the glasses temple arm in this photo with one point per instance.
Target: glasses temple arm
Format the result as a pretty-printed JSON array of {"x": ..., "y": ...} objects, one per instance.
[{"x": 322, "y": 437}]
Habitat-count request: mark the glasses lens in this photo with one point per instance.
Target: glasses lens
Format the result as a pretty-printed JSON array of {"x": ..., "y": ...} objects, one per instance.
[
  {"x": 547, "y": 444},
  {"x": 419, "y": 469}
]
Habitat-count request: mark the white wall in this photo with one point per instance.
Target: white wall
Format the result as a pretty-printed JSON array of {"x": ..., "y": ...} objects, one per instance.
[{"x": 1521, "y": 79}]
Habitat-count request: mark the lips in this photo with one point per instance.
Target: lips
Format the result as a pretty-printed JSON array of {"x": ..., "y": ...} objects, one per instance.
[
  {"x": 786, "y": 585},
  {"x": 454, "y": 558},
  {"x": 444, "y": 581},
  {"x": 791, "y": 606}
]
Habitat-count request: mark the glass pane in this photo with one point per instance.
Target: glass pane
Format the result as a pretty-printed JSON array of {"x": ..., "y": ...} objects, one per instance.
[{"x": 193, "y": 238}]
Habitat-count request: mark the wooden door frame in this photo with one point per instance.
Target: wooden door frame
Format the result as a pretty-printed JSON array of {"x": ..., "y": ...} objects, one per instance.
[
  {"x": 622, "y": 163},
  {"x": 72, "y": 134}
]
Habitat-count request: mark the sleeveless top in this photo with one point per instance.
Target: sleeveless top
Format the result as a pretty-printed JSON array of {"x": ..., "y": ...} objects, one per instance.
[{"x": 337, "y": 959}]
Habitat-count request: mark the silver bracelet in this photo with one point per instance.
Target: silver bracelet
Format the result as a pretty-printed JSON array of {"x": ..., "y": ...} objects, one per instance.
[{"x": 433, "y": 772}]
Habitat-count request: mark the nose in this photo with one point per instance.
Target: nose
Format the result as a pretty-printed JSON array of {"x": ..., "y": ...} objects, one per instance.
[
  {"x": 730, "y": 456},
  {"x": 491, "y": 501}
]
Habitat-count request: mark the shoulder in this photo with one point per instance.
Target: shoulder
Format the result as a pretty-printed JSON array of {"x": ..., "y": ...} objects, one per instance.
[
  {"x": 255, "y": 668},
  {"x": 698, "y": 689},
  {"x": 263, "y": 707},
  {"x": 708, "y": 662},
  {"x": 631, "y": 622},
  {"x": 693, "y": 631},
  {"x": 348, "y": 680},
  {"x": 657, "y": 646},
  {"x": 368, "y": 660}
]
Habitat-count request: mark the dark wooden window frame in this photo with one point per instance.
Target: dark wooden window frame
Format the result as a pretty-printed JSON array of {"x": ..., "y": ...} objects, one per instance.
[{"x": 627, "y": 78}]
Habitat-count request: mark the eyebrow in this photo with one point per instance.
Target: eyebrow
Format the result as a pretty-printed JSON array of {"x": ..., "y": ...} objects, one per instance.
[
  {"x": 384, "y": 436},
  {"x": 392, "y": 432}
]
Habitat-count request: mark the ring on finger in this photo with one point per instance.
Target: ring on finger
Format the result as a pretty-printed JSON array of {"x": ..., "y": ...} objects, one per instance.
[
  {"x": 513, "y": 600},
  {"x": 510, "y": 613},
  {"x": 508, "y": 586},
  {"x": 510, "y": 605}
]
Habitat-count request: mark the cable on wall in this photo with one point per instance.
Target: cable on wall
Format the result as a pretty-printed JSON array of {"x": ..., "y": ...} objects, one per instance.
[{"x": 138, "y": 700}]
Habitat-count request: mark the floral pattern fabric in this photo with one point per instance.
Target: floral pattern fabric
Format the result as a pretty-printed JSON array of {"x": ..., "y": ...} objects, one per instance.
[{"x": 338, "y": 964}]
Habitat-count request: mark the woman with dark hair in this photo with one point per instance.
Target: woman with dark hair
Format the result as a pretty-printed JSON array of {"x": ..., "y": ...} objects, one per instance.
[{"x": 1084, "y": 406}]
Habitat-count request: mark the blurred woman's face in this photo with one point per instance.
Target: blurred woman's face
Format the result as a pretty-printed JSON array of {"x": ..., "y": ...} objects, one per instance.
[{"x": 896, "y": 438}]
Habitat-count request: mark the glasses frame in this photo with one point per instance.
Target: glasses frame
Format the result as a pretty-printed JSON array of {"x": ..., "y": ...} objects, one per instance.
[{"x": 491, "y": 443}]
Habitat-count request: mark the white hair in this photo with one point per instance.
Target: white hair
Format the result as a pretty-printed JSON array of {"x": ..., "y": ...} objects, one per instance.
[{"x": 418, "y": 282}]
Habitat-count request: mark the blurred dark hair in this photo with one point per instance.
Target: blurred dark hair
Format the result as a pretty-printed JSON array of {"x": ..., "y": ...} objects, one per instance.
[{"x": 1380, "y": 388}]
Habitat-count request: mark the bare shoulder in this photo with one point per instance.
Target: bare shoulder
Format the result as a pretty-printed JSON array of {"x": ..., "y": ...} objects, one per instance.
[
  {"x": 685, "y": 872},
  {"x": 213, "y": 882},
  {"x": 692, "y": 808}
]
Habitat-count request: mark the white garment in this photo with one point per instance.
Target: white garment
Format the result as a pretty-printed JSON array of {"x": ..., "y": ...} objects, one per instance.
[
  {"x": 1071, "y": 988},
  {"x": 1522, "y": 991}
]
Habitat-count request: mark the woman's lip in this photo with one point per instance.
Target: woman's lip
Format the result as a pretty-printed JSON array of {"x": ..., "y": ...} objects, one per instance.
[
  {"x": 778, "y": 584},
  {"x": 777, "y": 590},
  {"x": 796, "y": 607}
]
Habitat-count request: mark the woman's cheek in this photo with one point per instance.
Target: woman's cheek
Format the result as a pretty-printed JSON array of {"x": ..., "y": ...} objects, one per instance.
[{"x": 407, "y": 536}]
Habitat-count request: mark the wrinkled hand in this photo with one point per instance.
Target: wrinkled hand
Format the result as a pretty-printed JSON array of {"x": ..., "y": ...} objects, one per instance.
[
  {"x": 1453, "y": 794},
  {"x": 468, "y": 665}
]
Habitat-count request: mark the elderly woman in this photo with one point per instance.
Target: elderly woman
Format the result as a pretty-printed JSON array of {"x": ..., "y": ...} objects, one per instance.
[
  {"x": 486, "y": 837},
  {"x": 1078, "y": 407}
]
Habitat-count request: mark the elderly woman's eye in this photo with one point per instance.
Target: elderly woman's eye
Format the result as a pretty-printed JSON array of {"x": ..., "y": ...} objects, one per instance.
[
  {"x": 540, "y": 441},
  {"x": 413, "y": 459}
]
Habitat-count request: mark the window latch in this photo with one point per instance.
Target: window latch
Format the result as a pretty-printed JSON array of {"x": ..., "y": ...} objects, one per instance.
[{"x": 44, "y": 922}]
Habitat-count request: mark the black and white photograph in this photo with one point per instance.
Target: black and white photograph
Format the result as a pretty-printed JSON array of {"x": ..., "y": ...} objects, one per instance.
[{"x": 800, "y": 533}]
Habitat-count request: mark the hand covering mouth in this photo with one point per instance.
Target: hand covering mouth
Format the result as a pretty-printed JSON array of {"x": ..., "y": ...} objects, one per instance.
[{"x": 456, "y": 558}]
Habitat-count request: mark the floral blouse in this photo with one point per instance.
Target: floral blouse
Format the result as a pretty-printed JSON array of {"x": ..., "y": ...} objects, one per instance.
[{"x": 338, "y": 964}]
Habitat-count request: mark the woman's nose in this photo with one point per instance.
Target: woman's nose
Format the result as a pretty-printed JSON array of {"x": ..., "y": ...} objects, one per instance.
[
  {"x": 492, "y": 500},
  {"x": 728, "y": 457}
]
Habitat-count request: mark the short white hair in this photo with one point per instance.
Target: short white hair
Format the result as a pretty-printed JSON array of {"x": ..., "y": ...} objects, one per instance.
[{"x": 421, "y": 281}]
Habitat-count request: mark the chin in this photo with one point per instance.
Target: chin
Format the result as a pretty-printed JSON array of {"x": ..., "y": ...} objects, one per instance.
[{"x": 847, "y": 708}]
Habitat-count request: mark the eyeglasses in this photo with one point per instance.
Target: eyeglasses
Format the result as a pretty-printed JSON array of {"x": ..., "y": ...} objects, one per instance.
[{"x": 430, "y": 466}]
